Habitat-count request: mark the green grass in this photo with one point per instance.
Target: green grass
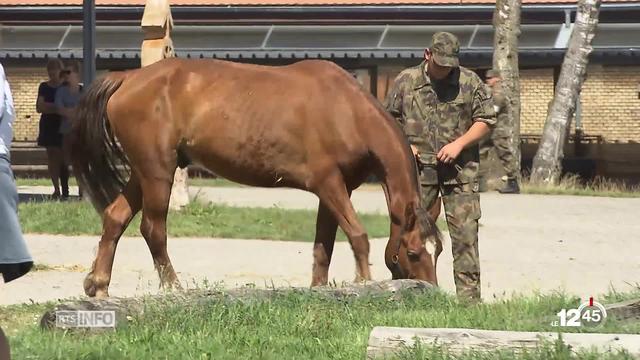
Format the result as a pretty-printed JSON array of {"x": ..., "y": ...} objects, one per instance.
[
  {"x": 571, "y": 185},
  {"x": 292, "y": 326},
  {"x": 194, "y": 181},
  {"x": 568, "y": 185},
  {"x": 195, "y": 220}
]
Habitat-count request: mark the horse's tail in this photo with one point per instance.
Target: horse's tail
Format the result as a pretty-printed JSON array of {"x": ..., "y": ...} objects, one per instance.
[{"x": 96, "y": 156}]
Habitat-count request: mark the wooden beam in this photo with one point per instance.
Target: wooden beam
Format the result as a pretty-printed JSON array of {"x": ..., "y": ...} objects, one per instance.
[
  {"x": 157, "y": 23},
  {"x": 625, "y": 310},
  {"x": 384, "y": 341}
]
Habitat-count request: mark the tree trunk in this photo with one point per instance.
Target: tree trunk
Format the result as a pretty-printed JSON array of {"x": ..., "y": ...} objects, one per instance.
[
  {"x": 126, "y": 308},
  {"x": 506, "y": 24},
  {"x": 384, "y": 341},
  {"x": 547, "y": 163},
  {"x": 625, "y": 310}
]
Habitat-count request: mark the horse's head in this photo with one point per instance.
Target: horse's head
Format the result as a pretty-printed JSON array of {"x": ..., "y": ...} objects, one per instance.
[{"x": 414, "y": 254}]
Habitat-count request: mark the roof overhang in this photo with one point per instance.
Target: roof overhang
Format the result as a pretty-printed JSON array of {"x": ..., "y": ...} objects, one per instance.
[
  {"x": 539, "y": 44},
  {"x": 356, "y": 14}
]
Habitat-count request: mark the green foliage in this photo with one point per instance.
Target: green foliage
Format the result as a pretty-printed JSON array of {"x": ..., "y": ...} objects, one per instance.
[
  {"x": 195, "y": 220},
  {"x": 295, "y": 326}
]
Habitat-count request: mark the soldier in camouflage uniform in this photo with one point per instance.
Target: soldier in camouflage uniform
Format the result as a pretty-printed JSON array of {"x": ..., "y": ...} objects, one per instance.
[
  {"x": 445, "y": 109},
  {"x": 500, "y": 138}
]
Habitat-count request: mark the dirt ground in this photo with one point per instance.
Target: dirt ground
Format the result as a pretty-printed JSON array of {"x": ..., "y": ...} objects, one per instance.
[{"x": 528, "y": 243}]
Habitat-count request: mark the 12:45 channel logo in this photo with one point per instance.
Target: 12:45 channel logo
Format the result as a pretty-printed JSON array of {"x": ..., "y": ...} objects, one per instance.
[{"x": 589, "y": 314}]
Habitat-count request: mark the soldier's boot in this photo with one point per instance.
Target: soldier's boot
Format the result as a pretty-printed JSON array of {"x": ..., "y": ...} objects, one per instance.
[{"x": 511, "y": 187}]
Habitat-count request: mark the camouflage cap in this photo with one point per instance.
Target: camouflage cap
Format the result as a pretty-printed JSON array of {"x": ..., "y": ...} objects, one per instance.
[
  {"x": 493, "y": 73},
  {"x": 445, "y": 48}
]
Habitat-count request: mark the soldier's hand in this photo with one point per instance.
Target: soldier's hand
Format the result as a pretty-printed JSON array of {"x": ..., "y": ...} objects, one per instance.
[
  {"x": 449, "y": 152},
  {"x": 415, "y": 151}
]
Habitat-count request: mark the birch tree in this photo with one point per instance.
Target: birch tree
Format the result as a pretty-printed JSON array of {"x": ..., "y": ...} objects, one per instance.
[
  {"x": 506, "y": 24},
  {"x": 547, "y": 163}
]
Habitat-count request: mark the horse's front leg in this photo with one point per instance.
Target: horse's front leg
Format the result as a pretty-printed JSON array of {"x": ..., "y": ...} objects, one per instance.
[{"x": 326, "y": 228}]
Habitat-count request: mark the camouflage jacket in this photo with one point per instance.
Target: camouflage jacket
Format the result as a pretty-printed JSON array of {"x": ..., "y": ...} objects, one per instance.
[{"x": 434, "y": 114}]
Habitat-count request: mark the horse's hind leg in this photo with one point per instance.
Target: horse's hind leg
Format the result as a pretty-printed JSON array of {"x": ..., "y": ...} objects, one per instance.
[
  {"x": 153, "y": 227},
  {"x": 115, "y": 220},
  {"x": 334, "y": 195}
]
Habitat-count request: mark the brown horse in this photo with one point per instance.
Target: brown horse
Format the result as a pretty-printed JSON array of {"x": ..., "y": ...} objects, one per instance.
[{"x": 309, "y": 126}]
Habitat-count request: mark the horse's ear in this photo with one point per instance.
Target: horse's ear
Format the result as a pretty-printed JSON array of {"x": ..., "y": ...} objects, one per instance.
[{"x": 410, "y": 216}]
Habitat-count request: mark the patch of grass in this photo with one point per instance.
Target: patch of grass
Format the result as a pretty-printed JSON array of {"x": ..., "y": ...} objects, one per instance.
[
  {"x": 614, "y": 296},
  {"x": 41, "y": 267},
  {"x": 47, "y": 267},
  {"x": 292, "y": 326},
  {"x": 572, "y": 185},
  {"x": 16, "y": 318},
  {"x": 195, "y": 220},
  {"x": 212, "y": 182},
  {"x": 192, "y": 181}
]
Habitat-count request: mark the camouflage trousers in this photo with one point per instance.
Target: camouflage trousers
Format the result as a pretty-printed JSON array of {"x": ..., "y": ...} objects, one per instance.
[
  {"x": 462, "y": 210},
  {"x": 503, "y": 150}
]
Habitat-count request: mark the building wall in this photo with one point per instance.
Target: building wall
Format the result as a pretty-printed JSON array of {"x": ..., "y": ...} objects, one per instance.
[
  {"x": 610, "y": 104},
  {"x": 536, "y": 91},
  {"x": 24, "y": 82}
]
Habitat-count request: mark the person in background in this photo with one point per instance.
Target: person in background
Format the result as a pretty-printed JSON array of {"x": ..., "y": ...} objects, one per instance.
[
  {"x": 15, "y": 259},
  {"x": 49, "y": 135},
  {"x": 499, "y": 138},
  {"x": 67, "y": 97}
]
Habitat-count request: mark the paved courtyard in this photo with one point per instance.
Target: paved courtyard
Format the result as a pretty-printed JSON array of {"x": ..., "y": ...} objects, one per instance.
[{"x": 584, "y": 245}]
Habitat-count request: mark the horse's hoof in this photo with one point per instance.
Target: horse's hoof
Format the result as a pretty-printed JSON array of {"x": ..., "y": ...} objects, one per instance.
[
  {"x": 89, "y": 286},
  {"x": 319, "y": 282},
  {"x": 361, "y": 279},
  {"x": 91, "y": 289},
  {"x": 170, "y": 286}
]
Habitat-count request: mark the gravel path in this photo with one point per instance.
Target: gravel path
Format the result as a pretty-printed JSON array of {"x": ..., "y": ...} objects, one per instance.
[{"x": 583, "y": 245}]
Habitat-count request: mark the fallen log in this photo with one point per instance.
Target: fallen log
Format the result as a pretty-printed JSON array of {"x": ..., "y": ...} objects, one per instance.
[
  {"x": 624, "y": 310},
  {"x": 126, "y": 308},
  {"x": 385, "y": 341}
]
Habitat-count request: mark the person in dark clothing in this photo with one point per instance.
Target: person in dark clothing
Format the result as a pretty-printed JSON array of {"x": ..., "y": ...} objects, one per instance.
[
  {"x": 49, "y": 136},
  {"x": 66, "y": 100}
]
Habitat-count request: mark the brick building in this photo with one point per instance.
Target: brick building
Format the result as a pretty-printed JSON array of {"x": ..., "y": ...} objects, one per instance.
[{"x": 374, "y": 39}]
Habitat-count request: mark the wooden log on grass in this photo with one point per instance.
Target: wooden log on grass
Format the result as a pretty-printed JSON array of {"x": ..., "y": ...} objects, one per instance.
[
  {"x": 386, "y": 341},
  {"x": 624, "y": 310},
  {"x": 125, "y": 309}
]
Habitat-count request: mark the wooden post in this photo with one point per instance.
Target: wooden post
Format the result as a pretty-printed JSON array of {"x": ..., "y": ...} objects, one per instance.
[
  {"x": 157, "y": 23},
  {"x": 130, "y": 307}
]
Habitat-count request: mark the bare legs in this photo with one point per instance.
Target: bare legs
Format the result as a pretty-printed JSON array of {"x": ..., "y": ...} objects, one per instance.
[{"x": 54, "y": 165}]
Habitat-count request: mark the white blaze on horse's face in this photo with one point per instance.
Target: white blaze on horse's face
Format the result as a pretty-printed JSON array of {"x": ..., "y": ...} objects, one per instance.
[{"x": 430, "y": 247}]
